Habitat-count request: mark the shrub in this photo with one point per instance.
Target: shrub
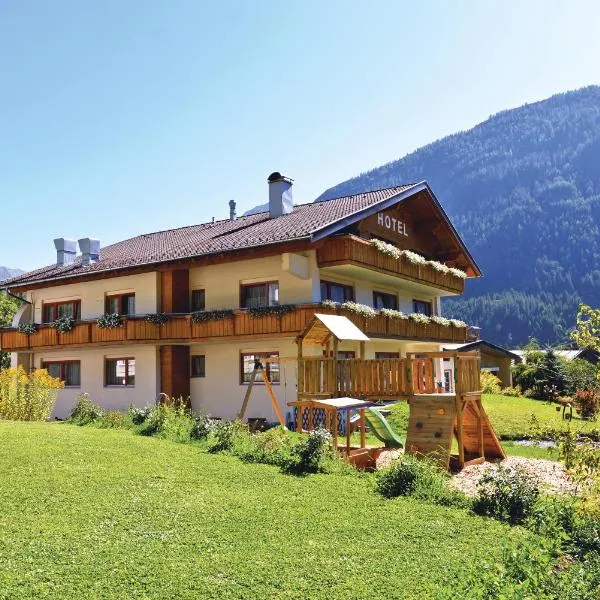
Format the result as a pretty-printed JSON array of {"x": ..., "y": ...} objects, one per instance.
[
  {"x": 305, "y": 456},
  {"x": 114, "y": 419},
  {"x": 514, "y": 392},
  {"x": 587, "y": 404},
  {"x": 507, "y": 494},
  {"x": 490, "y": 384},
  {"x": 418, "y": 477},
  {"x": 27, "y": 397},
  {"x": 271, "y": 447},
  {"x": 581, "y": 375},
  {"x": 139, "y": 415},
  {"x": 201, "y": 427},
  {"x": 170, "y": 420},
  {"x": 85, "y": 411},
  {"x": 110, "y": 321},
  {"x": 223, "y": 433},
  {"x": 63, "y": 324}
]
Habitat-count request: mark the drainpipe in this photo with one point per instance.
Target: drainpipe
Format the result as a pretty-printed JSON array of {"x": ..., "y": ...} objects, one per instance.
[{"x": 9, "y": 293}]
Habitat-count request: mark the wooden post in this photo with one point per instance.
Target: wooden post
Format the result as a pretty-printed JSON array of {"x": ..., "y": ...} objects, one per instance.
[
  {"x": 247, "y": 396},
  {"x": 347, "y": 433},
  {"x": 362, "y": 351},
  {"x": 363, "y": 433},
  {"x": 335, "y": 429},
  {"x": 272, "y": 397},
  {"x": 299, "y": 411},
  {"x": 459, "y": 430}
]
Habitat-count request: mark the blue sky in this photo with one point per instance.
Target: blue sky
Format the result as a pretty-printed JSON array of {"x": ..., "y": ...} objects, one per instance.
[{"x": 124, "y": 117}]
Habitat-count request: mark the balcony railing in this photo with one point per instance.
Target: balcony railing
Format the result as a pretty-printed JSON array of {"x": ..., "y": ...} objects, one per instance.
[
  {"x": 351, "y": 250},
  {"x": 241, "y": 324}
]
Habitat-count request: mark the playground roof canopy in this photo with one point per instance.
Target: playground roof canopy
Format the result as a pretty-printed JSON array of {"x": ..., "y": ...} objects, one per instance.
[{"x": 323, "y": 326}]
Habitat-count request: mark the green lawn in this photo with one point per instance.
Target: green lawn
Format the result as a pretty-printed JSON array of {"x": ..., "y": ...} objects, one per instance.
[
  {"x": 511, "y": 417},
  {"x": 96, "y": 513}
]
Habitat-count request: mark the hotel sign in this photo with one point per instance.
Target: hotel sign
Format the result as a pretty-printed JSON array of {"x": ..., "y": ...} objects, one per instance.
[{"x": 390, "y": 223}]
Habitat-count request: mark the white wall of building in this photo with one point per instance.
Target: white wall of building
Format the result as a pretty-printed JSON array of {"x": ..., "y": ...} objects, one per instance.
[
  {"x": 93, "y": 293},
  {"x": 118, "y": 398}
]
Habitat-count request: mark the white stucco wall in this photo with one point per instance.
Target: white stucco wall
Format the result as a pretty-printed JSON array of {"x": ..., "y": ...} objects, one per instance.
[
  {"x": 143, "y": 393},
  {"x": 92, "y": 294},
  {"x": 222, "y": 282}
]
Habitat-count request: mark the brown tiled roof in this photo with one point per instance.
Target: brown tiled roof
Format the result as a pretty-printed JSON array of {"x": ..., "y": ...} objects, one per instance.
[{"x": 221, "y": 236}]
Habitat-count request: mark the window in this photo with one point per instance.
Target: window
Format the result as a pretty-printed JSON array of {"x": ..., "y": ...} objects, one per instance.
[
  {"x": 345, "y": 354},
  {"x": 422, "y": 307},
  {"x": 122, "y": 304},
  {"x": 383, "y": 300},
  {"x": 448, "y": 380},
  {"x": 254, "y": 295},
  {"x": 384, "y": 355},
  {"x": 247, "y": 361},
  {"x": 198, "y": 366},
  {"x": 338, "y": 292},
  {"x": 53, "y": 310},
  {"x": 68, "y": 371},
  {"x": 120, "y": 371},
  {"x": 198, "y": 300}
]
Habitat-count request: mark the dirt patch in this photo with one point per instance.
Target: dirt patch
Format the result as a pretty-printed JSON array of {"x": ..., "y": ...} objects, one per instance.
[{"x": 551, "y": 475}]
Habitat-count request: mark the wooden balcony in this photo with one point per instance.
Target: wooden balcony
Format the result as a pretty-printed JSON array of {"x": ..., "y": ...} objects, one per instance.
[
  {"x": 241, "y": 325},
  {"x": 322, "y": 377},
  {"x": 352, "y": 250}
]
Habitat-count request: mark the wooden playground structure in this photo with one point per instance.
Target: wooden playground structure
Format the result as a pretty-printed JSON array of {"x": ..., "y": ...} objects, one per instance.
[{"x": 329, "y": 388}]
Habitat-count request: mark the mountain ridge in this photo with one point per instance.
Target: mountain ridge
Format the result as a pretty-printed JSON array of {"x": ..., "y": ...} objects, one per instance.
[{"x": 523, "y": 190}]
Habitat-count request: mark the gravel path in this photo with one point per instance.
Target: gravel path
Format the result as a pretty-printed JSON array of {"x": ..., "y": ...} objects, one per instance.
[{"x": 551, "y": 475}]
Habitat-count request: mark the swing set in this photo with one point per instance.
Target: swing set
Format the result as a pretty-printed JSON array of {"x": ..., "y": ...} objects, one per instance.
[{"x": 328, "y": 386}]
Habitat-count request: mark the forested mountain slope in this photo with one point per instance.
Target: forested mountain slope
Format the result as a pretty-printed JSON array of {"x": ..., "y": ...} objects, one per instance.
[{"x": 523, "y": 189}]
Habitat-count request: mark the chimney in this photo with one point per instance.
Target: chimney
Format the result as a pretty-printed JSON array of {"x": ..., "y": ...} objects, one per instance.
[
  {"x": 280, "y": 195},
  {"x": 90, "y": 250},
  {"x": 232, "y": 210},
  {"x": 66, "y": 250}
]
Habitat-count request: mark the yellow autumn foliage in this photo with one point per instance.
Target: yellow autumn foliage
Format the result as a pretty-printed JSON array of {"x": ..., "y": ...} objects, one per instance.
[{"x": 27, "y": 396}]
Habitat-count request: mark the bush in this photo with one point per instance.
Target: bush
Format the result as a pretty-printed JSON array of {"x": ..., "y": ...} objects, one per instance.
[
  {"x": 171, "y": 420},
  {"x": 223, "y": 434},
  {"x": 114, "y": 420},
  {"x": 418, "y": 477},
  {"x": 581, "y": 375},
  {"x": 490, "y": 384},
  {"x": 27, "y": 397},
  {"x": 587, "y": 404},
  {"x": 85, "y": 411},
  {"x": 201, "y": 427},
  {"x": 305, "y": 456},
  {"x": 513, "y": 392},
  {"x": 507, "y": 494},
  {"x": 139, "y": 415},
  {"x": 271, "y": 447}
]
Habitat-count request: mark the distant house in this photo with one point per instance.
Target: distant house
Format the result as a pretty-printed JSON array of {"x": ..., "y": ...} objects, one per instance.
[
  {"x": 495, "y": 359},
  {"x": 583, "y": 353}
]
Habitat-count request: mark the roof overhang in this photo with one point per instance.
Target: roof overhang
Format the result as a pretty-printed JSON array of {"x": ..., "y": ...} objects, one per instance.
[
  {"x": 322, "y": 327},
  {"x": 423, "y": 186},
  {"x": 488, "y": 346}
]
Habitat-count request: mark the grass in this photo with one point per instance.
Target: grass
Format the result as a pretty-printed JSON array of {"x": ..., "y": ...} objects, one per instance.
[
  {"x": 511, "y": 417},
  {"x": 102, "y": 513}
]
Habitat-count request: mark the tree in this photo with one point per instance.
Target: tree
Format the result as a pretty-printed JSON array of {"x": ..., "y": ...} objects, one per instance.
[
  {"x": 8, "y": 308},
  {"x": 552, "y": 380},
  {"x": 587, "y": 334}
]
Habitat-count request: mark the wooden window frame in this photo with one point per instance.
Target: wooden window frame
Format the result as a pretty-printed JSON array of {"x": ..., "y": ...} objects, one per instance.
[
  {"x": 76, "y": 309},
  {"x": 389, "y": 295},
  {"x": 118, "y": 385},
  {"x": 378, "y": 355},
  {"x": 267, "y": 367},
  {"x": 192, "y": 307},
  {"x": 428, "y": 303},
  {"x": 62, "y": 364},
  {"x": 266, "y": 284},
  {"x": 351, "y": 355},
  {"x": 202, "y": 371},
  {"x": 121, "y": 298},
  {"x": 328, "y": 285}
]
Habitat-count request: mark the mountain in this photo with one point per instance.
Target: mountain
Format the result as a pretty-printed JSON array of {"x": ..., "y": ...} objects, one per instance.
[
  {"x": 5, "y": 273},
  {"x": 523, "y": 189}
]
